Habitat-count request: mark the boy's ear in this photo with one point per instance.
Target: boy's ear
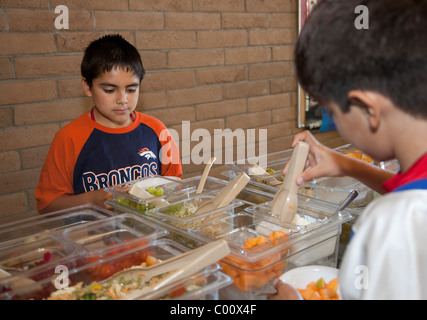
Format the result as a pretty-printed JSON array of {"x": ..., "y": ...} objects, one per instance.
[
  {"x": 371, "y": 104},
  {"x": 86, "y": 87}
]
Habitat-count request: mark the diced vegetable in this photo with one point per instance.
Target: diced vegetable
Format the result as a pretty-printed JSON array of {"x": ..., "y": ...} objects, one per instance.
[
  {"x": 249, "y": 275},
  {"x": 320, "y": 290}
]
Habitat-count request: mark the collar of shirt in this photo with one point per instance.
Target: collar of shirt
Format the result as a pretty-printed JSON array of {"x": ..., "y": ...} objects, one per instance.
[{"x": 416, "y": 172}]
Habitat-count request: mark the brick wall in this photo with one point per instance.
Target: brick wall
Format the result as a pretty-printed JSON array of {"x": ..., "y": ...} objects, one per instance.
[{"x": 216, "y": 63}]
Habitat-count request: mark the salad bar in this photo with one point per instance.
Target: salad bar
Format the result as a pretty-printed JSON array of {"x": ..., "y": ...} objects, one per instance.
[{"x": 89, "y": 253}]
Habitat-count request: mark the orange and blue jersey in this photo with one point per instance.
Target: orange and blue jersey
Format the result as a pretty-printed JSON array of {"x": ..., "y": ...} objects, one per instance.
[{"x": 86, "y": 156}]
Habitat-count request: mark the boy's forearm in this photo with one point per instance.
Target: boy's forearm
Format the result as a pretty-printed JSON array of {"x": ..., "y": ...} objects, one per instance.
[{"x": 370, "y": 175}]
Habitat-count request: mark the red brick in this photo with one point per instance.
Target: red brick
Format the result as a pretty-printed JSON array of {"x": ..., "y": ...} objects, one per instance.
[
  {"x": 284, "y": 20},
  {"x": 194, "y": 96},
  {"x": 6, "y": 117},
  {"x": 3, "y": 26},
  {"x": 24, "y": 3},
  {"x": 165, "y": 40},
  {"x": 6, "y": 68},
  {"x": 78, "y": 41},
  {"x": 161, "y": 5},
  {"x": 280, "y": 144},
  {"x": 192, "y": 59},
  {"x": 209, "y": 125},
  {"x": 223, "y": 38},
  {"x": 20, "y": 180},
  {"x": 168, "y": 80},
  {"x": 92, "y": 4},
  {"x": 151, "y": 100},
  {"x": 245, "y": 20},
  {"x": 192, "y": 21},
  {"x": 271, "y": 37},
  {"x": 18, "y": 138},
  {"x": 284, "y": 114},
  {"x": 283, "y": 53},
  {"x": 108, "y": 20},
  {"x": 27, "y": 91},
  {"x": 247, "y": 55},
  {"x": 173, "y": 116},
  {"x": 17, "y": 43},
  {"x": 12, "y": 204},
  {"x": 48, "y": 66},
  {"x": 270, "y": 70},
  {"x": 154, "y": 60},
  {"x": 220, "y": 75},
  {"x": 34, "y": 157},
  {"x": 220, "y": 109},
  {"x": 268, "y": 5},
  {"x": 9, "y": 161},
  {"x": 70, "y": 88},
  {"x": 269, "y": 102},
  {"x": 219, "y": 5},
  {"x": 46, "y": 112},
  {"x": 283, "y": 85},
  {"x": 245, "y": 89},
  {"x": 248, "y": 120},
  {"x": 44, "y": 20}
]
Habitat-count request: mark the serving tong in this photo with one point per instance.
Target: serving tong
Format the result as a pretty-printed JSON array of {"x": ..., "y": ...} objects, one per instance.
[
  {"x": 178, "y": 267},
  {"x": 285, "y": 202},
  {"x": 205, "y": 175},
  {"x": 270, "y": 290},
  {"x": 226, "y": 195},
  {"x": 256, "y": 170}
]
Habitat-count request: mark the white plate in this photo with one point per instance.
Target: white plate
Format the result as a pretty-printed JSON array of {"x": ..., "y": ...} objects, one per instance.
[{"x": 300, "y": 277}]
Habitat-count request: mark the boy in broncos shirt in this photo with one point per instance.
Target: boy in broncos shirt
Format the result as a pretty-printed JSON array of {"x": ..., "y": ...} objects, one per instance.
[
  {"x": 373, "y": 82},
  {"x": 110, "y": 144}
]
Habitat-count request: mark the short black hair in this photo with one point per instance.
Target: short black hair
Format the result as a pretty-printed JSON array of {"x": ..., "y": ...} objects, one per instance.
[
  {"x": 333, "y": 56},
  {"x": 108, "y": 52}
]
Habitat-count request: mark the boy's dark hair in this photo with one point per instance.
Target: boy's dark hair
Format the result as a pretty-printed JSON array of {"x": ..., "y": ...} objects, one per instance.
[
  {"x": 108, "y": 52},
  {"x": 334, "y": 57}
]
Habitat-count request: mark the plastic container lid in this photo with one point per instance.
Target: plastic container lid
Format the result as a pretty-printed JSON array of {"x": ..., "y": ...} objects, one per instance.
[
  {"x": 40, "y": 226},
  {"x": 113, "y": 233},
  {"x": 28, "y": 253},
  {"x": 313, "y": 218},
  {"x": 169, "y": 185},
  {"x": 94, "y": 272}
]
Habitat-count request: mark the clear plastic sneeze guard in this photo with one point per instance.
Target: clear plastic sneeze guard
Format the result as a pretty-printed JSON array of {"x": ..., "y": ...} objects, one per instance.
[
  {"x": 90, "y": 277},
  {"x": 39, "y": 226},
  {"x": 262, "y": 247},
  {"x": 333, "y": 190}
]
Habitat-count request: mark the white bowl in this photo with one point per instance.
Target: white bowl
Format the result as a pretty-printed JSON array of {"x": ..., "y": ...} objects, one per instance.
[{"x": 300, "y": 277}]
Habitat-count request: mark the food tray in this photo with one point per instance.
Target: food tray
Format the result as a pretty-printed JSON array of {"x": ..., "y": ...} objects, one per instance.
[
  {"x": 27, "y": 254},
  {"x": 40, "y": 226},
  {"x": 92, "y": 270},
  {"x": 333, "y": 190},
  {"x": 113, "y": 233},
  {"x": 179, "y": 225},
  {"x": 170, "y": 186},
  {"x": 206, "y": 285},
  {"x": 254, "y": 268}
]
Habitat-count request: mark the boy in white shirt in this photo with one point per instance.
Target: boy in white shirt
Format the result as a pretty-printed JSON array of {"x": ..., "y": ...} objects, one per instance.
[{"x": 374, "y": 83}]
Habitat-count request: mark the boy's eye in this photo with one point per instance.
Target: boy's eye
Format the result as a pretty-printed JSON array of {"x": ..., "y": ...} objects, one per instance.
[
  {"x": 132, "y": 90},
  {"x": 108, "y": 90}
]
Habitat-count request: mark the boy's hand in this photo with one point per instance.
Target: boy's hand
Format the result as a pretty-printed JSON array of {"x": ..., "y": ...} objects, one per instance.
[
  {"x": 99, "y": 197},
  {"x": 284, "y": 292},
  {"x": 321, "y": 162}
]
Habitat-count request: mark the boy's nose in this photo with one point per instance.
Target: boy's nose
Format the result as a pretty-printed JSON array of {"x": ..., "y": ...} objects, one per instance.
[{"x": 122, "y": 98}]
